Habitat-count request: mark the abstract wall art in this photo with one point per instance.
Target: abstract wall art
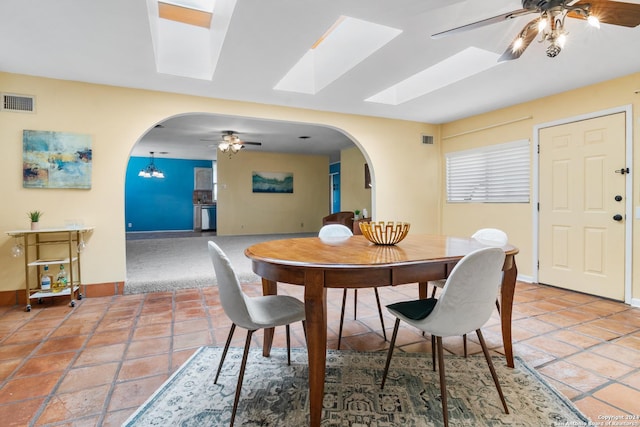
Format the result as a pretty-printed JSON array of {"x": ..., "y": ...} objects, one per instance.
[{"x": 56, "y": 160}]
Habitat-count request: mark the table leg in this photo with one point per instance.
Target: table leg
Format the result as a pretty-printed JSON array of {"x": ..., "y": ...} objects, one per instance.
[
  {"x": 315, "y": 301},
  {"x": 506, "y": 308},
  {"x": 268, "y": 288},
  {"x": 423, "y": 291}
]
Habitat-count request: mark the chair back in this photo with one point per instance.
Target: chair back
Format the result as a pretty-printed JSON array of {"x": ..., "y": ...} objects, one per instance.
[
  {"x": 469, "y": 295},
  {"x": 334, "y": 230},
  {"x": 491, "y": 236},
  {"x": 232, "y": 298}
]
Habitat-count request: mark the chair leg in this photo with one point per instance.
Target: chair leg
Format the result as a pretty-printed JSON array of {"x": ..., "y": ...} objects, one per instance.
[
  {"x": 391, "y": 345},
  {"x": 243, "y": 365},
  {"x": 224, "y": 352},
  {"x": 433, "y": 292},
  {"x": 498, "y": 306},
  {"x": 384, "y": 333},
  {"x": 464, "y": 345},
  {"x": 355, "y": 303},
  {"x": 304, "y": 329},
  {"x": 288, "y": 345},
  {"x": 344, "y": 301},
  {"x": 443, "y": 385},
  {"x": 433, "y": 352},
  {"x": 492, "y": 369}
]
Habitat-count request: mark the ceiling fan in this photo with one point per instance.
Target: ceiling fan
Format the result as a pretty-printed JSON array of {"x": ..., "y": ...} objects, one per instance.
[
  {"x": 232, "y": 143},
  {"x": 550, "y": 22}
]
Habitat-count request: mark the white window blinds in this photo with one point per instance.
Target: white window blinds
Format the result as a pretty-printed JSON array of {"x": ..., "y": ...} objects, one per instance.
[{"x": 493, "y": 174}]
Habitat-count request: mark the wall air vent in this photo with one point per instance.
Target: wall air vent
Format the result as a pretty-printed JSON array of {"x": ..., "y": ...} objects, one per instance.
[
  {"x": 18, "y": 103},
  {"x": 427, "y": 139}
]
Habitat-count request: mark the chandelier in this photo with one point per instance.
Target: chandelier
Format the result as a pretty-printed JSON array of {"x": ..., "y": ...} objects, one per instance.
[
  {"x": 230, "y": 144},
  {"x": 550, "y": 27},
  {"x": 151, "y": 171}
]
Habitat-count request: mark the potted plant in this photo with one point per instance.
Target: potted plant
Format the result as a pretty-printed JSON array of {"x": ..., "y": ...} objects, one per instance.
[
  {"x": 357, "y": 212},
  {"x": 34, "y": 216}
]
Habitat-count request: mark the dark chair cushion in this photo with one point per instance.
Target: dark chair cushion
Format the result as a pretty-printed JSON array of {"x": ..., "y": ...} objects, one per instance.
[{"x": 416, "y": 310}]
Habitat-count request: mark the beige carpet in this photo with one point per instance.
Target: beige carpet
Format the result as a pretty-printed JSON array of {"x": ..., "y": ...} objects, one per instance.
[{"x": 166, "y": 264}]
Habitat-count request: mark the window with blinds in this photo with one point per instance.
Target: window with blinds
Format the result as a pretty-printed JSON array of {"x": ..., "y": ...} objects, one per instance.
[{"x": 493, "y": 174}]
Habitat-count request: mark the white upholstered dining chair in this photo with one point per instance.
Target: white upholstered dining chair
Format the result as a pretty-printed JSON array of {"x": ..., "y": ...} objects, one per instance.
[
  {"x": 465, "y": 305},
  {"x": 331, "y": 232},
  {"x": 489, "y": 237},
  {"x": 250, "y": 313}
]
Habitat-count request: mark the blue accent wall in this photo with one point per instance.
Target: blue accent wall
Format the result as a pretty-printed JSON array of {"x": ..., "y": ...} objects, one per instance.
[
  {"x": 334, "y": 171},
  {"x": 153, "y": 204}
]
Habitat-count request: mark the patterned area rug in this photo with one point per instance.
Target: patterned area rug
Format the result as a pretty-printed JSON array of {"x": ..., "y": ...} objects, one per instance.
[{"x": 275, "y": 394}]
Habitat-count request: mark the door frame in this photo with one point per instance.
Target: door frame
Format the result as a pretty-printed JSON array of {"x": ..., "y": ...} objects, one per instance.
[{"x": 628, "y": 261}]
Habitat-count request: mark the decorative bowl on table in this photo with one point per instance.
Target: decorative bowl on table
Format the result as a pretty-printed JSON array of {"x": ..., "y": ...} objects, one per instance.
[{"x": 384, "y": 233}]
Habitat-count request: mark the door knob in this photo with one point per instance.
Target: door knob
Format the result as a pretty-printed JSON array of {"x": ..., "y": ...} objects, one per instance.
[
  {"x": 618, "y": 198},
  {"x": 617, "y": 217}
]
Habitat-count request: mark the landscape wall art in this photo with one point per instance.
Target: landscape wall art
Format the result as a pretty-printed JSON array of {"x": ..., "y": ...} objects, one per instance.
[{"x": 272, "y": 182}]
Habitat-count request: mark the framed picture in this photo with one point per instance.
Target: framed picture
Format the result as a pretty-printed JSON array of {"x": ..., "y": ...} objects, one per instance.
[
  {"x": 272, "y": 182},
  {"x": 56, "y": 159}
]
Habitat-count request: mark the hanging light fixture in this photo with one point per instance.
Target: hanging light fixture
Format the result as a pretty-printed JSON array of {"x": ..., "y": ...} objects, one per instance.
[
  {"x": 151, "y": 171},
  {"x": 230, "y": 144}
]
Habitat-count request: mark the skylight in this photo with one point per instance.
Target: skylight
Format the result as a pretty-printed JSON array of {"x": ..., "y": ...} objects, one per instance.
[
  {"x": 348, "y": 42},
  {"x": 188, "y": 35},
  {"x": 464, "y": 64}
]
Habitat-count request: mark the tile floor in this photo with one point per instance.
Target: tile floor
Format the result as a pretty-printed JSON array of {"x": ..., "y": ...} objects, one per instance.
[{"x": 96, "y": 363}]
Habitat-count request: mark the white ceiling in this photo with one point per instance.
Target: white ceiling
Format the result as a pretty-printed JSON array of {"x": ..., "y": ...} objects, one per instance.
[{"x": 109, "y": 42}]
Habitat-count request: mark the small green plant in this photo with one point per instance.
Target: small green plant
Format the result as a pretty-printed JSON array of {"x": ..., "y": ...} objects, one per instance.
[
  {"x": 357, "y": 212},
  {"x": 34, "y": 216}
]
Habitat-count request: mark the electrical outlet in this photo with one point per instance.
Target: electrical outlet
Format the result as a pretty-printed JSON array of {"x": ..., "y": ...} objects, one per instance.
[
  {"x": 129, "y": 225},
  {"x": 302, "y": 225}
]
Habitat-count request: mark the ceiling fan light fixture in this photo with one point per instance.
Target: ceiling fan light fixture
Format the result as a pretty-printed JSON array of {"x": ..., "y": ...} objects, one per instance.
[
  {"x": 593, "y": 21},
  {"x": 542, "y": 24},
  {"x": 517, "y": 44}
]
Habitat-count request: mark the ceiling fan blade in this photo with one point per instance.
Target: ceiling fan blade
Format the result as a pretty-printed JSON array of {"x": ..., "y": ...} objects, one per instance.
[
  {"x": 482, "y": 23},
  {"x": 528, "y": 33},
  {"x": 251, "y": 143},
  {"x": 612, "y": 12}
]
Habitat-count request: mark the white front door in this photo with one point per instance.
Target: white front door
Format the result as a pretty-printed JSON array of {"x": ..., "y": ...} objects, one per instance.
[{"x": 582, "y": 206}]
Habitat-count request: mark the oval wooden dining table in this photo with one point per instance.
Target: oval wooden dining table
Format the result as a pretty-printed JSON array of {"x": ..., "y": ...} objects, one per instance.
[{"x": 354, "y": 262}]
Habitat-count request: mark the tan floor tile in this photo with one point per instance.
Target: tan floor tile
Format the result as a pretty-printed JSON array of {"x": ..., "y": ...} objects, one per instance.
[
  {"x": 596, "y": 409},
  {"x": 621, "y": 397},
  {"x": 99, "y": 355},
  {"x": 152, "y": 331},
  {"x": 601, "y": 365},
  {"x": 552, "y": 346},
  {"x": 26, "y": 388},
  {"x": 20, "y": 413},
  {"x": 573, "y": 376},
  {"x": 88, "y": 377},
  {"x": 45, "y": 364},
  {"x": 576, "y": 339},
  {"x": 629, "y": 342},
  {"x": 144, "y": 367},
  {"x": 619, "y": 353},
  {"x": 632, "y": 380},
  {"x": 64, "y": 406},
  {"x": 131, "y": 394},
  {"x": 148, "y": 347},
  {"x": 58, "y": 345}
]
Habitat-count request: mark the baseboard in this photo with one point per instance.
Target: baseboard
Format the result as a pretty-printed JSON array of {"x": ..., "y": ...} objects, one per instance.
[
  {"x": 19, "y": 296},
  {"x": 635, "y": 302},
  {"x": 524, "y": 278}
]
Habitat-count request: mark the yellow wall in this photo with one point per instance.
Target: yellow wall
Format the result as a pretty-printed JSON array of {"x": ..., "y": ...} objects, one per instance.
[
  {"x": 240, "y": 211},
  {"x": 353, "y": 193},
  {"x": 407, "y": 174},
  {"x": 516, "y": 219}
]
